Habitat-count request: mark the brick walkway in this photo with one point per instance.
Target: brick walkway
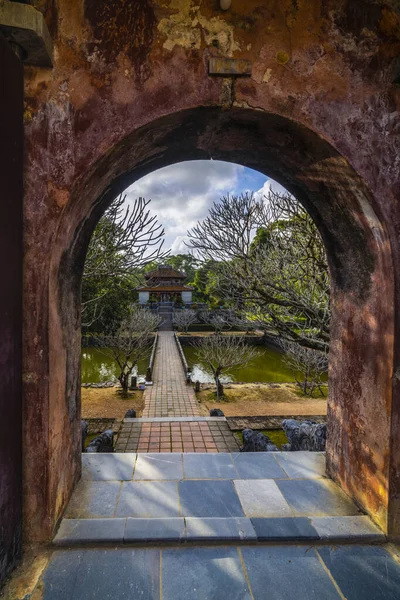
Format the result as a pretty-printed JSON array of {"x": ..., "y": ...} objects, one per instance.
[
  {"x": 173, "y": 436},
  {"x": 169, "y": 396},
  {"x": 172, "y": 399}
]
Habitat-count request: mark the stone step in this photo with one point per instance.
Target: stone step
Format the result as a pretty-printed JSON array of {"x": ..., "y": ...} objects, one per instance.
[
  {"x": 193, "y": 497},
  {"x": 178, "y": 530}
]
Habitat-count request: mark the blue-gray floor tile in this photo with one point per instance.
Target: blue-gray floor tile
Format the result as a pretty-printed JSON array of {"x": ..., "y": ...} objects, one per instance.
[
  {"x": 363, "y": 572},
  {"x": 148, "y": 499},
  {"x": 158, "y": 466},
  {"x": 262, "y": 498},
  {"x": 81, "y": 531},
  {"x": 152, "y": 530},
  {"x": 93, "y": 499},
  {"x": 258, "y": 465},
  {"x": 209, "y": 466},
  {"x": 285, "y": 528},
  {"x": 316, "y": 498},
  {"x": 108, "y": 574},
  {"x": 302, "y": 465},
  {"x": 235, "y": 528},
  {"x": 209, "y": 498},
  {"x": 108, "y": 467},
  {"x": 203, "y": 574},
  {"x": 347, "y": 528},
  {"x": 287, "y": 573}
]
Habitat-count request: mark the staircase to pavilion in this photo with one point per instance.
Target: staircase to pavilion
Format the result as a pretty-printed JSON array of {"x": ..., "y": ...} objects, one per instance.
[{"x": 165, "y": 311}]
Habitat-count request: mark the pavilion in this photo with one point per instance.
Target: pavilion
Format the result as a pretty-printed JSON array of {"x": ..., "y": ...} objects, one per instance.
[{"x": 165, "y": 284}]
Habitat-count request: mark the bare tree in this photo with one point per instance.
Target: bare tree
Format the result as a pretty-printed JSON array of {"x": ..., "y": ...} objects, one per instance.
[
  {"x": 241, "y": 320},
  {"x": 131, "y": 342},
  {"x": 278, "y": 272},
  {"x": 219, "y": 319},
  {"x": 228, "y": 230},
  {"x": 184, "y": 318},
  {"x": 222, "y": 354},
  {"x": 124, "y": 241},
  {"x": 307, "y": 365}
]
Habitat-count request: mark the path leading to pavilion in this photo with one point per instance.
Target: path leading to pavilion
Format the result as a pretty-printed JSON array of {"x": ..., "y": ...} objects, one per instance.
[
  {"x": 170, "y": 395},
  {"x": 171, "y": 421}
]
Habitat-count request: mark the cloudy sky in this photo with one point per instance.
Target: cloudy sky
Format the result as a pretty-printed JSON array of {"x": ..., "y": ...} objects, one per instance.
[{"x": 182, "y": 193}]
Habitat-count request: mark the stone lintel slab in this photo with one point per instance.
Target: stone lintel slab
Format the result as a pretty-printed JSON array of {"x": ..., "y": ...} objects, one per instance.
[
  {"x": 219, "y": 529},
  {"x": 225, "y": 67},
  {"x": 90, "y": 531},
  {"x": 359, "y": 528},
  {"x": 155, "y": 530},
  {"x": 24, "y": 25},
  {"x": 179, "y": 530},
  {"x": 284, "y": 529}
]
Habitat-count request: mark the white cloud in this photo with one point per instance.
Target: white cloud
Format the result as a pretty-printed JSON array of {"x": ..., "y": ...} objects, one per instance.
[
  {"x": 272, "y": 185},
  {"x": 181, "y": 194}
]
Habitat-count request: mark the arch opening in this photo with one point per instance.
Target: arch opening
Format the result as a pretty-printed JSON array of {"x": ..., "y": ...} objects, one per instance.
[{"x": 359, "y": 255}]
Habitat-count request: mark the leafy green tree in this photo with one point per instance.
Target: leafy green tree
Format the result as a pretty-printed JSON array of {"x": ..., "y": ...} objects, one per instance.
[
  {"x": 125, "y": 240},
  {"x": 272, "y": 264},
  {"x": 184, "y": 262}
]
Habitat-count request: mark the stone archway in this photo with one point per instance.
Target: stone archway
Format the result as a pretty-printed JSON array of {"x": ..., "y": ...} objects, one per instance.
[
  {"x": 361, "y": 411},
  {"x": 130, "y": 92}
]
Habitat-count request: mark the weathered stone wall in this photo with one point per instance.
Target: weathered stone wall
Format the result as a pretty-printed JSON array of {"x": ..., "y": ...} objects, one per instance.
[
  {"x": 129, "y": 93},
  {"x": 11, "y": 195}
]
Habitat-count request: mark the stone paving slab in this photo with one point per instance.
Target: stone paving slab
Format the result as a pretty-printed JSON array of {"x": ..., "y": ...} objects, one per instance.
[
  {"x": 148, "y": 499},
  {"x": 209, "y": 498},
  {"x": 262, "y": 498},
  {"x": 316, "y": 498},
  {"x": 363, "y": 572},
  {"x": 288, "y": 572},
  {"x": 101, "y": 573},
  {"x": 158, "y": 466},
  {"x": 258, "y": 465},
  {"x": 251, "y": 572},
  {"x": 107, "y": 467},
  {"x": 209, "y": 466},
  {"x": 302, "y": 465},
  {"x": 93, "y": 499},
  {"x": 202, "y": 573}
]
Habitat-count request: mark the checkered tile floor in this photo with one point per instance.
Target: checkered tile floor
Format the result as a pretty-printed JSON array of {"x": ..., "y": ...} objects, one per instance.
[{"x": 172, "y": 436}]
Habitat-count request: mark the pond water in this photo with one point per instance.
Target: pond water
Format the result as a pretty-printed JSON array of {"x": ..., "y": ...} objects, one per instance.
[
  {"x": 97, "y": 367},
  {"x": 267, "y": 367}
]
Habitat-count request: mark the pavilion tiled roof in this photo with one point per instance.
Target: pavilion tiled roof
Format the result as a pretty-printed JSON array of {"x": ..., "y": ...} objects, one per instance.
[
  {"x": 165, "y": 271},
  {"x": 165, "y": 288}
]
